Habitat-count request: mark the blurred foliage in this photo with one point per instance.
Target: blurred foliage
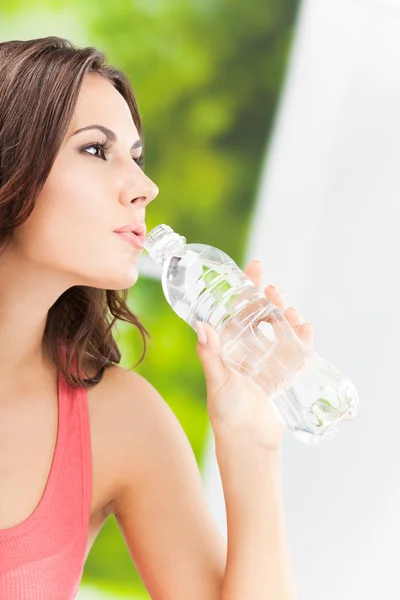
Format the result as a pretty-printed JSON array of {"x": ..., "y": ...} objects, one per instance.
[{"x": 207, "y": 75}]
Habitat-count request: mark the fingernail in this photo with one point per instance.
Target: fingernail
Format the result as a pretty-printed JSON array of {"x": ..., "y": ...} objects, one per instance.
[
  {"x": 201, "y": 333},
  {"x": 276, "y": 289}
]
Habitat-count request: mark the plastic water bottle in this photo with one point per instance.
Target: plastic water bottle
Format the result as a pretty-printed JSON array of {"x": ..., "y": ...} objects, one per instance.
[{"x": 203, "y": 283}]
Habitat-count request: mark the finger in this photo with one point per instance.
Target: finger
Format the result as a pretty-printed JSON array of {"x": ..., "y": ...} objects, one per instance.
[
  {"x": 303, "y": 329},
  {"x": 293, "y": 317},
  {"x": 254, "y": 272},
  {"x": 276, "y": 296},
  {"x": 306, "y": 334},
  {"x": 215, "y": 370}
]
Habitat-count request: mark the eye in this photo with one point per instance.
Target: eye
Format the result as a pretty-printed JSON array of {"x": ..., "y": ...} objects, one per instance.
[
  {"x": 139, "y": 161},
  {"x": 101, "y": 147},
  {"x": 101, "y": 150}
]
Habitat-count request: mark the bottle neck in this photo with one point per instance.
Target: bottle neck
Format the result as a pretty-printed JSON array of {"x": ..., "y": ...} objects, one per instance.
[
  {"x": 172, "y": 245},
  {"x": 161, "y": 242}
]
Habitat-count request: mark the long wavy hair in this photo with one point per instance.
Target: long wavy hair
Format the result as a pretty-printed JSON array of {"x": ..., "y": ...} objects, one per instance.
[{"x": 40, "y": 80}]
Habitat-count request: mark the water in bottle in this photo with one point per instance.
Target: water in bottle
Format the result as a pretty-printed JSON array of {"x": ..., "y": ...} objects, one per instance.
[{"x": 203, "y": 283}]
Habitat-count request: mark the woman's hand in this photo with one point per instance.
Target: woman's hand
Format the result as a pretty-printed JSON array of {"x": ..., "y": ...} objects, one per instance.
[{"x": 236, "y": 405}]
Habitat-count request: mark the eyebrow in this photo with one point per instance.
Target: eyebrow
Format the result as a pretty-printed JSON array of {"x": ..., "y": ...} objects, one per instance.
[{"x": 110, "y": 134}]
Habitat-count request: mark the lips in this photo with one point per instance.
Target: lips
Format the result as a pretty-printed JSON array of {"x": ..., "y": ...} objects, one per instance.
[
  {"x": 132, "y": 238},
  {"x": 134, "y": 233},
  {"x": 138, "y": 229}
]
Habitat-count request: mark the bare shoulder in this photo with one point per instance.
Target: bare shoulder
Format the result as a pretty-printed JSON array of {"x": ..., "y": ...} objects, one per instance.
[
  {"x": 131, "y": 400},
  {"x": 135, "y": 422},
  {"x": 158, "y": 498}
]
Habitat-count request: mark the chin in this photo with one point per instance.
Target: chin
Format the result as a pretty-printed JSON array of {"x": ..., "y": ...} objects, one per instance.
[
  {"x": 116, "y": 281},
  {"x": 124, "y": 283}
]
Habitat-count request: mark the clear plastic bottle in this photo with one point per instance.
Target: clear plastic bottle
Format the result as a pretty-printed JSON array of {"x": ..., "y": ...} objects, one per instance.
[{"x": 203, "y": 283}]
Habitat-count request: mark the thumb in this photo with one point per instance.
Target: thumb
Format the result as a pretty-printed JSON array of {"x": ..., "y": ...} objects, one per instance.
[{"x": 208, "y": 351}]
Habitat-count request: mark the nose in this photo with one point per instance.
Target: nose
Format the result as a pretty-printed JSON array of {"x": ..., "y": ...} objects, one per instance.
[{"x": 139, "y": 189}]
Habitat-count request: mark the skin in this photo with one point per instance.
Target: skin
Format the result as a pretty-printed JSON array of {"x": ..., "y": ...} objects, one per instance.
[
  {"x": 236, "y": 406},
  {"x": 69, "y": 238}
]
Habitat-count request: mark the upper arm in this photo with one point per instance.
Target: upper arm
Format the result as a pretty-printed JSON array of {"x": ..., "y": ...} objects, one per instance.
[{"x": 160, "y": 504}]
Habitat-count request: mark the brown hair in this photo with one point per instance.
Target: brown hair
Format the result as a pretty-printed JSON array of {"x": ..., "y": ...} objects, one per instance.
[{"x": 40, "y": 82}]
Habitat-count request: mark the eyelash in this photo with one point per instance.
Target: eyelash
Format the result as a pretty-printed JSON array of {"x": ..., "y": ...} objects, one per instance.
[{"x": 105, "y": 147}]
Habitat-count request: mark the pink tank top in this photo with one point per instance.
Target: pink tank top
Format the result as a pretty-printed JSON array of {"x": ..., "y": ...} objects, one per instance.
[{"x": 43, "y": 557}]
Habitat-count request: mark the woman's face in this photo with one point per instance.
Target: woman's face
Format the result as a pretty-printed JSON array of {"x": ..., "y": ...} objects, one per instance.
[{"x": 88, "y": 194}]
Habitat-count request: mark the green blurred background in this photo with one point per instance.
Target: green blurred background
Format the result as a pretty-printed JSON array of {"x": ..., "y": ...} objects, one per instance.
[{"x": 207, "y": 75}]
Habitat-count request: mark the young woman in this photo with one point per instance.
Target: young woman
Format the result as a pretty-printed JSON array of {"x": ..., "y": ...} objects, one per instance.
[{"x": 80, "y": 436}]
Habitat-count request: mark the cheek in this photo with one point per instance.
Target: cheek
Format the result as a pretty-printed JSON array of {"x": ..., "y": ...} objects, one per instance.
[
  {"x": 82, "y": 254},
  {"x": 68, "y": 221},
  {"x": 75, "y": 195},
  {"x": 71, "y": 231}
]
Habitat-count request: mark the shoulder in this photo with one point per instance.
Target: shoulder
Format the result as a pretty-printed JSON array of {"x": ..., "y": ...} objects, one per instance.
[
  {"x": 128, "y": 396},
  {"x": 122, "y": 390},
  {"x": 158, "y": 498},
  {"x": 137, "y": 427},
  {"x": 119, "y": 380},
  {"x": 125, "y": 403}
]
